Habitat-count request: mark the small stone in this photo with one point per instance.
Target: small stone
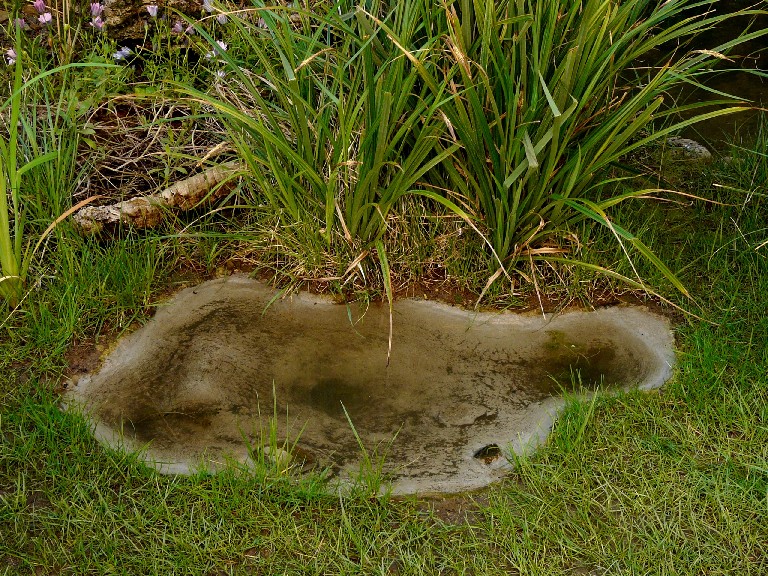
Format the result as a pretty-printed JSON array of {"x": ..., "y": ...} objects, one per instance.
[
  {"x": 686, "y": 149},
  {"x": 280, "y": 458}
]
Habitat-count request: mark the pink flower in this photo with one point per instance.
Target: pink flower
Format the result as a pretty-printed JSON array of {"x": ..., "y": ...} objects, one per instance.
[
  {"x": 39, "y": 6},
  {"x": 96, "y": 9},
  {"x": 178, "y": 27},
  {"x": 21, "y": 23},
  {"x": 207, "y": 6},
  {"x": 152, "y": 9},
  {"x": 10, "y": 55},
  {"x": 97, "y": 23},
  {"x": 219, "y": 48},
  {"x": 45, "y": 18},
  {"x": 222, "y": 18}
]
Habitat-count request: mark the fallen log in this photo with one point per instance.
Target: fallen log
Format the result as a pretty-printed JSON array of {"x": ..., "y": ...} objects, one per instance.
[{"x": 149, "y": 211}]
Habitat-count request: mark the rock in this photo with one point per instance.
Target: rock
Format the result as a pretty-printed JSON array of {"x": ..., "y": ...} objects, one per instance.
[
  {"x": 126, "y": 19},
  {"x": 279, "y": 458},
  {"x": 686, "y": 149}
]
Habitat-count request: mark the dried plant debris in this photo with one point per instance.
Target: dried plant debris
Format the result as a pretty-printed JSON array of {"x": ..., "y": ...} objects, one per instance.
[
  {"x": 150, "y": 157},
  {"x": 142, "y": 147}
]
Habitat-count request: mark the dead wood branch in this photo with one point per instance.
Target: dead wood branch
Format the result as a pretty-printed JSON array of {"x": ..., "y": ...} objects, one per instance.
[{"x": 149, "y": 211}]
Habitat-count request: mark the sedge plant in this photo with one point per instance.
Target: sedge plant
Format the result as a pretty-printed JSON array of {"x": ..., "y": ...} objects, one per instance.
[
  {"x": 547, "y": 98},
  {"x": 334, "y": 125}
]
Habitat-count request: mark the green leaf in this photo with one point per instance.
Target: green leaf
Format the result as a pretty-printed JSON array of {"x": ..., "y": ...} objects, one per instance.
[{"x": 32, "y": 164}]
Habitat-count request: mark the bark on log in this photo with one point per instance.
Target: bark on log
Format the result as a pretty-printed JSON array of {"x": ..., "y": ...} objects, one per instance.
[{"x": 149, "y": 211}]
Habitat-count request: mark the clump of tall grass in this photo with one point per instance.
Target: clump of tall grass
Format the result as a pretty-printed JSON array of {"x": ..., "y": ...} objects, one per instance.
[
  {"x": 14, "y": 256},
  {"x": 547, "y": 98},
  {"x": 510, "y": 113},
  {"x": 38, "y": 161},
  {"x": 742, "y": 182},
  {"x": 330, "y": 119}
]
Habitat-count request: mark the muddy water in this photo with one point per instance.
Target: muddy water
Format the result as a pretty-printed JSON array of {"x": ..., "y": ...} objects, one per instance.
[{"x": 202, "y": 379}]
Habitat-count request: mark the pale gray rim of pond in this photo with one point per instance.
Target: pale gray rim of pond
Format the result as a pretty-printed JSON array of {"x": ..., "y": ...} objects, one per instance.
[{"x": 463, "y": 392}]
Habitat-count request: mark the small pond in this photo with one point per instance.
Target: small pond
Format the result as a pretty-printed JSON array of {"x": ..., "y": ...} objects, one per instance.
[{"x": 202, "y": 381}]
